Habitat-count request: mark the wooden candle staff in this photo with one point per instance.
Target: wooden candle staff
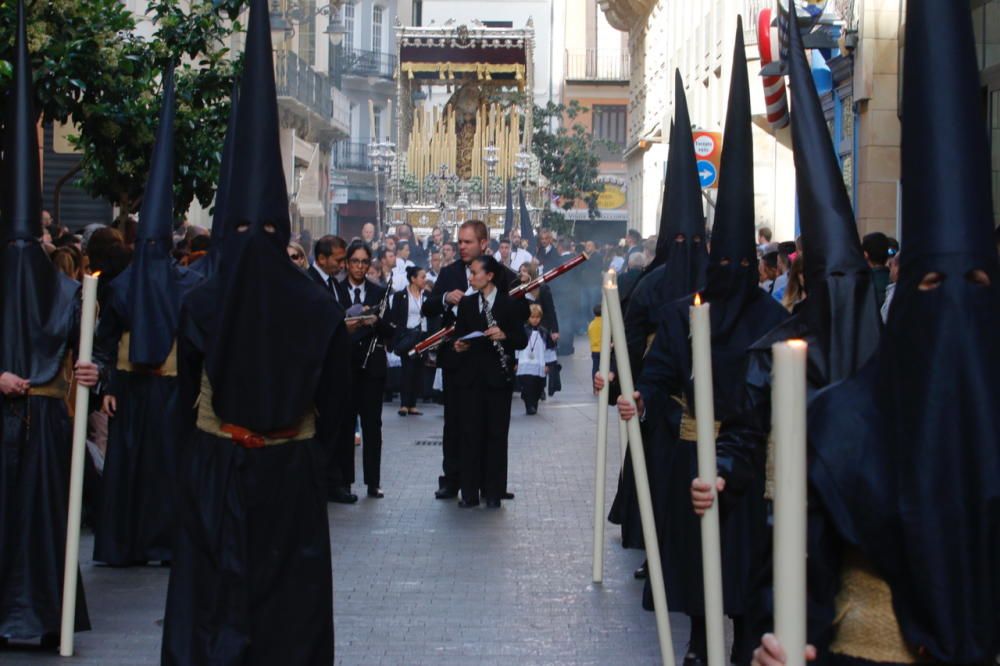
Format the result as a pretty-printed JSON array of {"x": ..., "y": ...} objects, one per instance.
[
  {"x": 711, "y": 547},
  {"x": 72, "y": 561},
  {"x": 617, "y": 323}
]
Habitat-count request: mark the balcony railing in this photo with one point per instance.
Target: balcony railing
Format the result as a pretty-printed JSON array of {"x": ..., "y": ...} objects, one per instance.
[
  {"x": 597, "y": 65},
  {"x": 294, "y": 78},
  {"x": 351, "y": 155},
  {"x": 357, "y": 62}
]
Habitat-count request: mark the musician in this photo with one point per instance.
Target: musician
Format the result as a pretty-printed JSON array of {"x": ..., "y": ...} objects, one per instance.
[
  {"x": 411, "y": 327},
  {"x": 452, "y": 284},
  {"x": 484, "y": 379},
  {"x": 368, "y": 372}
]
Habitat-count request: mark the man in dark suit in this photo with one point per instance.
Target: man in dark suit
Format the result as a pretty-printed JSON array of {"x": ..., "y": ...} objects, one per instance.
[
  {"x": 547, "y": 255},
  {"x": 452, "y": 284},
  {"x": 368, "y": 371},
  {"x": 329, "y": 254}
]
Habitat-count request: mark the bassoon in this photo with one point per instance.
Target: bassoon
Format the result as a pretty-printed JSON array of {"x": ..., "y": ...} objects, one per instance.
[{"x": 519, "y": 291}]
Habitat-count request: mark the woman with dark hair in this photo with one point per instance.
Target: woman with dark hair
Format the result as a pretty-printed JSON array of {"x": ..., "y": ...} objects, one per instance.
[
  {"x": 411, "y": 328},
  {"x": 489, "y": 328}
]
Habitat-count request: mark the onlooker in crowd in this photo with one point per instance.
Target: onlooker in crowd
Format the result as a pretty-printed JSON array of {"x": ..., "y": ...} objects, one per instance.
[
  {"x": 628, "y": 279},
  {"x": 368, "y": 235},
  {"x": 434, "y": 269},
  {"x": 404, "y": 232},
  {"x": 763, "y": 238},
  {"x": 68, "y": 261},
  {"x": 767, "y": 268},
  {"x": 298, "y": 255},
  {"x": 876, "y": 249},
  {"x": 375, "y": 272},
  {"x": 616, "y": 261},
  {"x": 434, "y": 241},
  {"x": 594, "y": 333},
  {"x": 890, "y": 288},
  {"x": 448, "y": 251},
  {"x": 795, "y": 288},
  {"x": 403, "y": 253},
  {"x": 547, "y": 252}
]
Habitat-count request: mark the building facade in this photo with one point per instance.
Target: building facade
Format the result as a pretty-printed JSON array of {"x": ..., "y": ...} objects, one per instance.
[
  {"x": 365, "y": 65},
  {"x": 596, "y": 75},
  {"x": 857, "y": 79}
]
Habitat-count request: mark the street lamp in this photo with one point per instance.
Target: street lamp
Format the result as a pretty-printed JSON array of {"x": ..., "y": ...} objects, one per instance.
[{"x": 491, "y": 160}]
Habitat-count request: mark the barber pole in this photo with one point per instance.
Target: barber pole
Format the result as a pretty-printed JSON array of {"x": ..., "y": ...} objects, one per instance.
[{"x": 768, "y": 43}]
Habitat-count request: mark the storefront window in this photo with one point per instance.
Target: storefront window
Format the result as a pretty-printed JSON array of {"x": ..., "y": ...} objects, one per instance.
[{"x": 986, "y": 25}]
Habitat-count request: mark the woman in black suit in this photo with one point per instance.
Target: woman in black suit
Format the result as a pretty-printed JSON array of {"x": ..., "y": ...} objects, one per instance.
[
  {"x": 485, "y": 378},
  {"x": 411, "y": 328},
  {"x": 543, "y": 297}
]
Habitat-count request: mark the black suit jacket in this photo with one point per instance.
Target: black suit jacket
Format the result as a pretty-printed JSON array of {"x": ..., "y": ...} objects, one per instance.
[
  {"x": 450, "y": 278},
  {"x": 361, "y": 339},
  {"x": 481, "y": 363},
  {"x": 549, "y": 257}
]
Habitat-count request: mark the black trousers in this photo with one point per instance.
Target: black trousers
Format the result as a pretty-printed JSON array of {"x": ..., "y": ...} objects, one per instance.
[
  {"x": 410, "y": 385},
  {"x": 532, "y": 387},
  {"x": 485, "y": 425},
  {"x": 451, "y": 463},
  {"x": 366, "y": 403}
]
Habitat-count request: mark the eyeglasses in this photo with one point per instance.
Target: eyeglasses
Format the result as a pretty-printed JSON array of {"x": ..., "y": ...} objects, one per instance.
[
  {"x": 295, "y": 257},
  {"x": 360, "y": 262}
]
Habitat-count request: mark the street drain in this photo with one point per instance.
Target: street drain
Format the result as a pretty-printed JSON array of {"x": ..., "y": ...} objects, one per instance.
[{"x": 428, "y": 442}]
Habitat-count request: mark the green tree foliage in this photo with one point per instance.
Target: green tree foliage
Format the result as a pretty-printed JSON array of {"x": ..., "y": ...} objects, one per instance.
[
  {"x": 90, "y": 66},
  {"x": 568, "y": 156}
]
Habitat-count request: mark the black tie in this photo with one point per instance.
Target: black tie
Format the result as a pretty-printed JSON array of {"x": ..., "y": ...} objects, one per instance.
[
  {"x": 329, "y": 285},
  {"x": 357, "y": 296},
  {"x": 486, "y": 304}
]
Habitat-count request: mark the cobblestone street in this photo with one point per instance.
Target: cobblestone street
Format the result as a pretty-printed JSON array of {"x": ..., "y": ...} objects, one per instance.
[{"x": 419, "y": 581}]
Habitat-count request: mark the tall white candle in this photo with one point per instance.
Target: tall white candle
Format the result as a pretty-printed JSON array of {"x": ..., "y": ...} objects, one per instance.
[
  {"x": 389, "y": 123},
  {"x": 618, "y": 339},
  {"x": 711, "y": 546},
  {"x": 788, "y": 415},
  {"x": 72, "y": 560},
  {"x": 600, "y": 466}
]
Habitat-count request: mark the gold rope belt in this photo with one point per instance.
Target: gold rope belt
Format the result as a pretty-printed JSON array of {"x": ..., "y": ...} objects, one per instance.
[
  {"x": 689, "y": 425},
  {"x": 209, "y": 422},
  {"x": 166, "y": 369},
  {"x": 866, "y": 625}
]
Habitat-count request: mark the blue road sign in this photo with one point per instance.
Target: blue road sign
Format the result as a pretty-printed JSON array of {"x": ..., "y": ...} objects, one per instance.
[{"x": 707, "y": 173}]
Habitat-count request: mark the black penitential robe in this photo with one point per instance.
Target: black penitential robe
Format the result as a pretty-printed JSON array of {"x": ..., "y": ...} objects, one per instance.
[
  {"x": 136, "y": 519},
  {"x": 35, "y": 452},
  {"x": 666, "y": 381},
  {"x": 251, "y": 581}
]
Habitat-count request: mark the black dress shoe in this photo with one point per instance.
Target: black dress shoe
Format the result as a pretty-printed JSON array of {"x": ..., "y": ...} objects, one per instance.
[
  {"x": 445, "y": 493},
  {"x": 343, "y": 496},
  {"x": 530, "y": 411},
  {"x": 493, "y": 503},
  {"x": 642, "y": 572},
  {"x": 507, "y": 496},
  {"x": 467, "y": 504},
  {"x": 694, "y": 659},
  {"x": 376, "y": 492}
]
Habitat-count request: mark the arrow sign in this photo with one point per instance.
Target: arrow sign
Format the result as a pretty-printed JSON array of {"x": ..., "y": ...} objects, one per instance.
[{"x": 707, "y": 173}]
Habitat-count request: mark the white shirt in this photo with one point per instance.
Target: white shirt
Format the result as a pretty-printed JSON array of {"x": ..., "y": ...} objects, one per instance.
[
  {"x": 517, "y": 258},
  {"x": 399, "y": 280},
  {"x": 491, "y": 298},
  {"x": 617, "y": 264},
  {"x": 327, "y": 279},
  {"x": 351, "y": 287},
  {"x": 413, "y": 316}
]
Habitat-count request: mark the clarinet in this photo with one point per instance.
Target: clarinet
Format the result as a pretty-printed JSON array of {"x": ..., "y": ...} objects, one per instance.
[
  {"x": 382, "y": 307},
  {"x": 490, "y": 323}
]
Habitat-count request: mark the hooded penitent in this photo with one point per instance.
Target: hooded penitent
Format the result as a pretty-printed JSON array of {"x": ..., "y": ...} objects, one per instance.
[
  {"x": 731, "y": 281},
  {"x": 841, "y": 309},
  {"x": 908, "y": 453},
  {"x": 36, "y": 300},
  {"x": 686, "y": 256},
  {"x": 271, "y": 325},
  {"x": 154, "y": 292},
  {"x": 662, "y": 244},
  {"x": 207, "y": 266},
  {"x": 527, "y": 233}
]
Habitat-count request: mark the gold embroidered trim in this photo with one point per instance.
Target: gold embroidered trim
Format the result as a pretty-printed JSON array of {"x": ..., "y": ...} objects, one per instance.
[
  {"x": 167, "y": 369},
  {"x": 866, "y": 625},
  {"x": 59, "y": 386},
  {"x": 689, "y": 426}
]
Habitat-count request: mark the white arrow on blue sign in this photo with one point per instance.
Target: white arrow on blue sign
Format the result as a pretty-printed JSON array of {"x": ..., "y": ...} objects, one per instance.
[{"x": 707, "y": 173}]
